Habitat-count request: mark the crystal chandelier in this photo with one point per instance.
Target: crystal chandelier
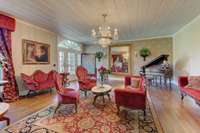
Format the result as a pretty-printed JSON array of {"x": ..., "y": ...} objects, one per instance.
[{"x": 104, "y": 34}]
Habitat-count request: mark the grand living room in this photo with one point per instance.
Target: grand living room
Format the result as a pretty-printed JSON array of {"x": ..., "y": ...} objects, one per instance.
[{"x": 99, "y": 66}]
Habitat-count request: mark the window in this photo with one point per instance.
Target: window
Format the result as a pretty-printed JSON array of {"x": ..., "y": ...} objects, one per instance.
[
  {"x": 78, "y": 59},
  {"x": 61, "y": 57},
  {"x": 71, "y": 62},
  {"x": 70, "y": 45},
  {"x": 69, "y": 56}
]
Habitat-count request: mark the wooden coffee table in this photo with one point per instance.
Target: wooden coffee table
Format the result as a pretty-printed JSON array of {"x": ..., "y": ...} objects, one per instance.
[
  {"x": 3, "y": 109},
  {"x": 101, "y": 91}
]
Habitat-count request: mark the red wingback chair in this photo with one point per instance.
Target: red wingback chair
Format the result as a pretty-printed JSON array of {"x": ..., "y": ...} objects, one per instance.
[
  {"x": 65, "y": 95},
  {"x": 84, "y": 79},
  {"x": 133, "y": 98},
  {"x": 38, "y": 81}
]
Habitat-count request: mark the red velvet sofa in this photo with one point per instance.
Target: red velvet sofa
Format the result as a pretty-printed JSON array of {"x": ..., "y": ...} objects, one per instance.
[
  {"x": 38, "y": 80},
  {"x": 131, "y": 97},
  {"x": 194, "y": 93}
]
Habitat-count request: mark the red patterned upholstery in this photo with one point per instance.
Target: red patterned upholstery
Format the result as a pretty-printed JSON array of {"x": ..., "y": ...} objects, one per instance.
[
  {"x": 131, "y": 97},
  {"x": 38, "y": 80},
  {"x": 65, "y": 95},
  {"x": 39, "y": 76},
  {"x": 84, "y": 79},
  {"x": 194, "y": 93}
]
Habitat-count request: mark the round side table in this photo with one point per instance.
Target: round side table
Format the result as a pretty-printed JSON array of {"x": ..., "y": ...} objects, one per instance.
[{"x": 101, "y": 91}]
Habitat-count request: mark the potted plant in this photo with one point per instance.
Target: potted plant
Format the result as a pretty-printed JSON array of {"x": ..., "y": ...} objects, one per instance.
[
  {"x": 99, "y": 55},
  {"x": 144, "y": 52}
]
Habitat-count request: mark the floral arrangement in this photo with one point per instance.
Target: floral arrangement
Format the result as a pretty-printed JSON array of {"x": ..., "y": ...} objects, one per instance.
[{"x": 103, "y": 72}]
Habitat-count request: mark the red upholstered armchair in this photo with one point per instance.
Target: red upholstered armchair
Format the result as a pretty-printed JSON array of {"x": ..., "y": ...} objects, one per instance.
[
  {"x": 86, "y": 82},
  {"x": 65, "y": 95},
  {"x": 133, "y": 98},
  {"x": 38, "y": 81}
]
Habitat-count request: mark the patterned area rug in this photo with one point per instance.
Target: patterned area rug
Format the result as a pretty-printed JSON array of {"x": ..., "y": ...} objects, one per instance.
[{"x": 89, "y": 119}]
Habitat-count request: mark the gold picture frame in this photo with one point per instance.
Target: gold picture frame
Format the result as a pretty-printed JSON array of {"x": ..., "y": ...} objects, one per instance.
[
  {"x": 34, "y": 52},
  {"x": 120, "y": 59}
]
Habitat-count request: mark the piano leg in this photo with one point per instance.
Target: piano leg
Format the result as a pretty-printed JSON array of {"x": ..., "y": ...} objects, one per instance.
[
  {"x": 160, "y": 81},
  {"x": 165, "y": 82},
  {"x": 170, "y": 83},
  {"x": 156, "y": 81}
]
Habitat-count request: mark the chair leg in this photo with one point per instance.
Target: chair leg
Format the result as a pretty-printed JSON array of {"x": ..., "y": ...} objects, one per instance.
[
  {"x": 57, "y": 107},
  {"x": 118, "y": 109},
  {"x": 76, "y": 107},
  {"x": 182, "y": 96},
  {"x": 5, "y": 119},
  {"x": 51, "y": 90},
  {"x": 85, "y": 93},
  {"x": 144, "y": 113}
]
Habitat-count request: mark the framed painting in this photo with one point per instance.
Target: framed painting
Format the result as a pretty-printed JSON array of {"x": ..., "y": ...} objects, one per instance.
[
  {"x": 35, "y": 52},
  {"x": 120, "y": 59}
]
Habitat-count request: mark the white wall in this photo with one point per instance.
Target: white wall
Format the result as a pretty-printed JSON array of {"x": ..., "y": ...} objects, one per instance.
[
  {"x": 186, "y": 49},
  {"x": 31, "y": 32},
  {"x": 157, "y": 47},
  {"x": 97, "y": 48}
]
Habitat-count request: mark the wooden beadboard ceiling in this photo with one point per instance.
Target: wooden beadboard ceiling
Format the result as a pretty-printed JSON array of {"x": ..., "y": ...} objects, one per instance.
[{"x": 135, "y": 19}]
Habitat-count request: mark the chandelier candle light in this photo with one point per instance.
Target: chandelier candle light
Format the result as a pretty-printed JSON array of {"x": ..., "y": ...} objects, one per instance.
[{"x": 104, "y": 34}]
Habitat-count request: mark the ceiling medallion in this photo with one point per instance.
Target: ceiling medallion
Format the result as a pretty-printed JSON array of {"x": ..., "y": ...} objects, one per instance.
[{"x": 104, "y": 34}]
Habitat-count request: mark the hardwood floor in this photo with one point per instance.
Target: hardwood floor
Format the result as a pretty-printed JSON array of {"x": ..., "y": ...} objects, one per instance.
[{"x": 175, "y": 116}]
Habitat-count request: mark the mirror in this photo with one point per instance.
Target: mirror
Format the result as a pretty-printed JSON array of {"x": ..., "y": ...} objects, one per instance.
[{"x": 120, "y": 59}]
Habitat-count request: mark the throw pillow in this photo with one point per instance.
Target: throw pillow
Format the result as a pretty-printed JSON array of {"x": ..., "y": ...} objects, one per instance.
[
  {"x": 194, "y": 82},
  {"x": 135, "y": 82}
]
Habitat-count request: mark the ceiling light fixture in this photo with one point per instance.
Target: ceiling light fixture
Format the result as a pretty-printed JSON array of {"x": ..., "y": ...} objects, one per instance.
[{"x": 104, "y": 34}]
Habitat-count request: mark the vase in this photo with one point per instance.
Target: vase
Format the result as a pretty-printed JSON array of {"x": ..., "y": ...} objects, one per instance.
[{"x": 101, "y": 80}]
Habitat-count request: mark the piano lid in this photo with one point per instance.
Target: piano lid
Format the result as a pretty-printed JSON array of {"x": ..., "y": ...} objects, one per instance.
[{"x": 156, "y": 61}]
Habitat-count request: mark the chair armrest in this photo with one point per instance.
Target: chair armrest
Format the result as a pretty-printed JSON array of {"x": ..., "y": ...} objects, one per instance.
[
  {"x": 91, "y": 77},
  {"x": 64, "y": 91},
  {"x": 92, "y": 80},
  {"x": 182, "y": 81},
  {"x": 69, "y": 93},
  {"x": 84, "y": 81}
]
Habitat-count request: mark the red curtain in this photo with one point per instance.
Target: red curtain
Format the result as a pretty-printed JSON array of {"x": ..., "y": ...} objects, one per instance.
[{"x": 7, "y": 25}]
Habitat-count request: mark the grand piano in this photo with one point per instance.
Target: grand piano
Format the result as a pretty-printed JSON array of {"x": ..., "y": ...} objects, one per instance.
[{"x": 158, "y": 71}]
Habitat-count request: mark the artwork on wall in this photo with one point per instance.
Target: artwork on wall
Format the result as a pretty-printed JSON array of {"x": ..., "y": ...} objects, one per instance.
[
  {"x": 35, "y": 52},
  {"x": 120, "y": 60}
]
